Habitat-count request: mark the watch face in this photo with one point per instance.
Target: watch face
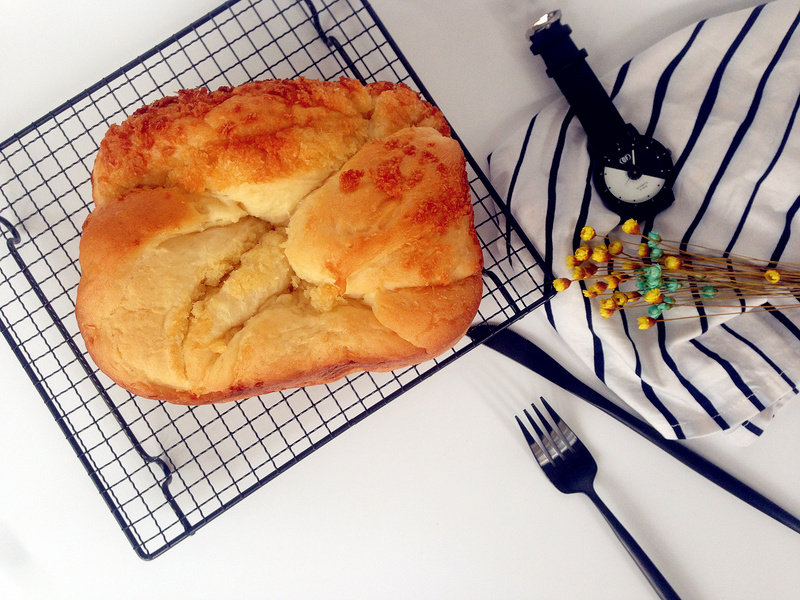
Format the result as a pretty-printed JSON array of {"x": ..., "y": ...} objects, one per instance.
[
  {"x": 629, "y": 188},
  {"x": 633, "y": 175}
]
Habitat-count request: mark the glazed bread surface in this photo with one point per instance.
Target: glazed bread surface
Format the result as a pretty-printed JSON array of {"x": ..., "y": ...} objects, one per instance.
[{"x": 275, "y": 235}]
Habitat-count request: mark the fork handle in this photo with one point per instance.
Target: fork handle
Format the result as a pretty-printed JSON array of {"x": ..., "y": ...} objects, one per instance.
[{"x": 651, "y": 572}]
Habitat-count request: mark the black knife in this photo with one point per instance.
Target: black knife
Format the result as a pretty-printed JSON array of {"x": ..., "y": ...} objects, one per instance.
[{"x": 528, "y": 354}]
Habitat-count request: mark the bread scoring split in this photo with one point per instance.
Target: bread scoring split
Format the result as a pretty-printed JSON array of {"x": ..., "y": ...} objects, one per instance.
[{"x": 275, "y": 235}]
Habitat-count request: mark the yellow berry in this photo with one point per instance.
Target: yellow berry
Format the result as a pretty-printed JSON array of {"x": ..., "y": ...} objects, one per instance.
[
  {"x": 672, "y": 262},
  {"x": 587, "y": 233},
  {"x": 608, "y": 304},
  {"x": 580, "y": 273},
  {"x": 646, "y": 322},
  {"x": 561, "y": 284},
  {"x": 653, "y": 296},
  {"x": 614, "y": 248},
  {"x": 772, "y": 275},
  {"x": 582, "y": 252},
  {"x": 620, "y": 298},
  {"x": 600, "y": 254},
  {"x": 631, "y": 226}
]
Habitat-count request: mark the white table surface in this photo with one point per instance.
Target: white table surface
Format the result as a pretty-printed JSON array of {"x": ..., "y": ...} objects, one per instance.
[{"x": 435, "y": 495}]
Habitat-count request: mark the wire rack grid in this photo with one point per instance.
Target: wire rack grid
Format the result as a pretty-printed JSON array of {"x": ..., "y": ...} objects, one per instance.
[{"x": 166, "y": 470}]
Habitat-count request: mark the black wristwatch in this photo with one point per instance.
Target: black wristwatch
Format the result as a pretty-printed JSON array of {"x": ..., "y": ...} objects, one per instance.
[{"x": 632, "y": 173}]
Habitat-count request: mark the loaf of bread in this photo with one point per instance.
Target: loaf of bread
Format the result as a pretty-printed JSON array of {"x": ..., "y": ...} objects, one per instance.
[{"x": 275, "y": 235}]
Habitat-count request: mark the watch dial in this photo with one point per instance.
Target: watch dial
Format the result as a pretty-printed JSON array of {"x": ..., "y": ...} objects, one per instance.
[
  {"x": 633, "y": 175},
  {"x": 623, "y": 187}
]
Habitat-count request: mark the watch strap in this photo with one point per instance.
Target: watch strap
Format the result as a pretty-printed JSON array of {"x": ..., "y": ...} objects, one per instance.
[{"x": 566, "y": 65}]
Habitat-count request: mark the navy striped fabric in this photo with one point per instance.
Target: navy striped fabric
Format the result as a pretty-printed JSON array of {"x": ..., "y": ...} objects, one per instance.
[{"x": 723, "y": 94}]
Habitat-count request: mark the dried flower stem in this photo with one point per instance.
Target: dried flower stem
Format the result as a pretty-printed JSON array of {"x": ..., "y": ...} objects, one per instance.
[{"x": 666, "y": 274}]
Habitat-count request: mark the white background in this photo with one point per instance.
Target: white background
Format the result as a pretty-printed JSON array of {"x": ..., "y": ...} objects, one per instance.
[{"x": 435, "y": 495}]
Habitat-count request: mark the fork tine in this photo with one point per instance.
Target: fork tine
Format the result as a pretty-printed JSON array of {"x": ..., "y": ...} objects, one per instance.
[
  {"x": 549, "y": 431},
  {"x": 541, "y": 455},
  {"x": 564, "y": 430},
  {"x": 525, "y": 432},
  {"x": 533, "y": 422},
  {"x": 545, "y": 442}
]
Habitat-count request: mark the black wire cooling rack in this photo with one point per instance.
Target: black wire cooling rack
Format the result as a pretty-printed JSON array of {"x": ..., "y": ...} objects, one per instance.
[{"x": 166, "y": 470}]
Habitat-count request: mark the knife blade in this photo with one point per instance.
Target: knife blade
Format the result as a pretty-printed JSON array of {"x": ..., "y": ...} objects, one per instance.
[{"x": 525, "y": 352}]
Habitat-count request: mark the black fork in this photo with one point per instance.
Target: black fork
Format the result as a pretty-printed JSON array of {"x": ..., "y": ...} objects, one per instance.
[{"x": 571, "y": 468}]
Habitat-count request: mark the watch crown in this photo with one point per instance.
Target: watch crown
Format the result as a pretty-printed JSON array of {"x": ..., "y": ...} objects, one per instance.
[{"x": 543, "y": 22}]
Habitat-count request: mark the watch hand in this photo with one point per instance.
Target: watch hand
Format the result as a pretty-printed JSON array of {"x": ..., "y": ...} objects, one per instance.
[{"x": 634, "y": 172}]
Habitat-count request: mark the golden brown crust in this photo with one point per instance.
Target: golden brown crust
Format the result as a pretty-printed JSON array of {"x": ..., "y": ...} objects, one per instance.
[
  {"x": 279, "y": 234},
  {"x": 258, "y": 132},
  {"x": 398, "y": 215}
]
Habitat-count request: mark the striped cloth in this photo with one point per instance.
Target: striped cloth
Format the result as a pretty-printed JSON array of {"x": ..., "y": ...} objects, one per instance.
[{"x": 723, "y": 95}]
